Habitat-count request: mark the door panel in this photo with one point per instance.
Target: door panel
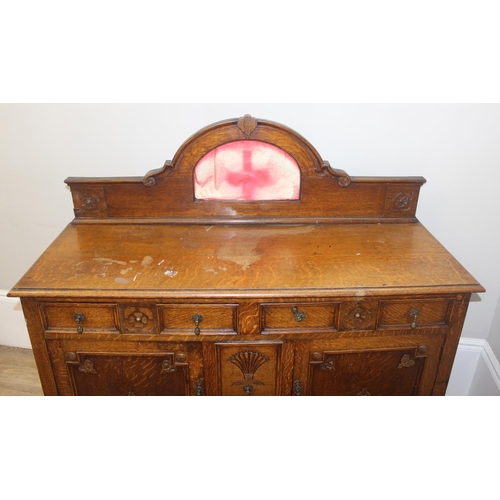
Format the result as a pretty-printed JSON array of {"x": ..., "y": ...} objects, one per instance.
[
  {"x": 127, "y": 368},
  {"x": 129, "y": 375},
  {"x": 372, "y": 366},
  {"x": 251, "y": 369},
  {"x": 393, "y": 372}
]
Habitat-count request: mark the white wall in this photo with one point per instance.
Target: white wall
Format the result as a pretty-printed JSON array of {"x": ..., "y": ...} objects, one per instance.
[{"x": 455, "y": 147}]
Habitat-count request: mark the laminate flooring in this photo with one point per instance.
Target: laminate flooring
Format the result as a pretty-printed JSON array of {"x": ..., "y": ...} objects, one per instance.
[{"x": 18, "y": 373}]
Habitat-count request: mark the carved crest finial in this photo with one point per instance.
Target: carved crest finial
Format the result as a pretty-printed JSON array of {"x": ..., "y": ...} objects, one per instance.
[{"x": 247, "y": 124}]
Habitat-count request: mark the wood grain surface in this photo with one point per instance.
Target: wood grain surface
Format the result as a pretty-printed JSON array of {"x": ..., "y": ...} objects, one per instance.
[{"x": 95, "y": 260}]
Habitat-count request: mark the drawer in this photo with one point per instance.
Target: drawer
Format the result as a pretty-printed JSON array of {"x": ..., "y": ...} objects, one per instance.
[
  {"x": 80, "y": 317},
  {"x": 199, "y": 319},
  {"x": 299, "y": 316},
  {"x": 414, "y": 313}
]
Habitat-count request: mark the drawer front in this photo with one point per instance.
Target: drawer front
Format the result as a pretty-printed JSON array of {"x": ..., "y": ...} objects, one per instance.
[
  {"x": 299, "y": 316},
  {"x": 79, "y": 318},
  {"x": 199, "y": 319},
  {"x": 413, "y": 314}
]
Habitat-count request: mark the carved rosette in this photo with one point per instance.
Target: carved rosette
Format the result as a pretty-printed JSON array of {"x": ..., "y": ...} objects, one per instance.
[
  {"x": 401, "y": 202},
  {"x": 89, "y": 201},
  {"x": 358, "y": 315},
  {"x": 138, "y": 319}
]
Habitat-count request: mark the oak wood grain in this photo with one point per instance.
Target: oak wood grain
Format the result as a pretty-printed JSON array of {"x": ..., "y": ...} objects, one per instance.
[
  {"x": 247, "y": 260},
  {"x": 340, "y": 292}
]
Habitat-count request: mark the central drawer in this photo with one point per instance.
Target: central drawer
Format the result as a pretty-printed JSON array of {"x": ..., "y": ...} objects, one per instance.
[
  {"x": 299, "y": 316},
  {"x": 199, "y": 319}
]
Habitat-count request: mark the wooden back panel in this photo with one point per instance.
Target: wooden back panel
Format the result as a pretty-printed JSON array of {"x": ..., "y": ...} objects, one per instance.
[{"x": 327, "y": 195}]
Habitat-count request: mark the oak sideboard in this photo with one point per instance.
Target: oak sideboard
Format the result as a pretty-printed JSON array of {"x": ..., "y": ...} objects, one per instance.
[{"x": 247, "y": 265}]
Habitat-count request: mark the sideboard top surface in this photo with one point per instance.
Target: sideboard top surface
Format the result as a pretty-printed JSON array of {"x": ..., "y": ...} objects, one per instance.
[
  {"x": 256, "y": 260},
  {"x": 299, "y": 228}
]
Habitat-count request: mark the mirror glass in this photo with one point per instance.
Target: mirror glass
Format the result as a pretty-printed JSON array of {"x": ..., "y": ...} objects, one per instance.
[{"x": 247, "y": 171}]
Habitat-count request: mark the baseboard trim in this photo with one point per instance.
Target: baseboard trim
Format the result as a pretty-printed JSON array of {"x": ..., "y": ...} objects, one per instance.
[
  {"x": 492, "y": 363},
  {"x": 13, "y": 331}
]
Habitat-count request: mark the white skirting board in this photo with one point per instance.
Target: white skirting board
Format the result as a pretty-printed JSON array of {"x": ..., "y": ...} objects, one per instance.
[
  {"x": 13, "y": 331},
  {"x": 476, "y": 371}
]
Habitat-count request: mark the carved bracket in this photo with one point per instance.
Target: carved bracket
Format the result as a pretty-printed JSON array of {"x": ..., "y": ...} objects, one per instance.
[
  {"x": 342, "y": 178},
  {"x": 149, "y": 179}
]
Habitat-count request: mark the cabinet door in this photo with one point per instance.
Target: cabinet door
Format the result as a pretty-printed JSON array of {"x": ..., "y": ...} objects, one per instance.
[
  {"x": 403, "y": 370},
  {"x": 169, "y": 371},
  {"x": 249, "y": 368}
]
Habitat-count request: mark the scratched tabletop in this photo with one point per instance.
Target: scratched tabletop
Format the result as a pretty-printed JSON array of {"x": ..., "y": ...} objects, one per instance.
[{"x": 187, "y": 260}]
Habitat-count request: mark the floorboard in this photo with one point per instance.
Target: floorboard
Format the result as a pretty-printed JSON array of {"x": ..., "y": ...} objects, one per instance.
[{"x": 18, "y": 373}]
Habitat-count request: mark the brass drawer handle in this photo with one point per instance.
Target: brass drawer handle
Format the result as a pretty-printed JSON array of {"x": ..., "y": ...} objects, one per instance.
[
  {"x": 298, "y": 315},
  {"x": 414, "y": 313},
  {"x": 248, "y": 388},
  {"x": 79, "y": 319},
  {"x": 199, "y": 391},
  {"x": 297, "y": 388},
  {"x": 197, "y": 319}
]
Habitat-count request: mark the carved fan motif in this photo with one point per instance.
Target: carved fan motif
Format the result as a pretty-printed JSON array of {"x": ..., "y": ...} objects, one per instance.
[{"x": 248, "y": 362}]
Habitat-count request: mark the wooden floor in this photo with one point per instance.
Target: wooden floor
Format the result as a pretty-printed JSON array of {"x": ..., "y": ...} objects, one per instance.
[{"x": 18, "y": 373}]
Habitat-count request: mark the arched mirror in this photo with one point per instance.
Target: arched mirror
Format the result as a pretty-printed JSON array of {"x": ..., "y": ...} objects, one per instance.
[{"x": 247, "y": 171}]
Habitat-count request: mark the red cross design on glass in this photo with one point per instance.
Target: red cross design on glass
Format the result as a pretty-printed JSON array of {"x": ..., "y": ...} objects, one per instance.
[
  {"x": 247, "y": 171},
  {"x": 250, "y": 179}
]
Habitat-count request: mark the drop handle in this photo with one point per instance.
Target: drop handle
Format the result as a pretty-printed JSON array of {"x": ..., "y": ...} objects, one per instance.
[
  {"x": 298, "y": 315},
  {"x": 199, "y": 391},
  {"x": 297, "y": 388},
  {"x": 79, "y": 319},
  {"x": 248, "y": 388},
  {"x": 197, "y": 319},
  {"x": 414, "y": 313}
]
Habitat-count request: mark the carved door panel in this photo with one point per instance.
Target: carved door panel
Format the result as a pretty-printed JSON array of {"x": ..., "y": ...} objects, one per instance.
[
  {"x": 252, "y": 369},
  {"x": 380, "y": 371},
  {"x": 169, "y": 372}
]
